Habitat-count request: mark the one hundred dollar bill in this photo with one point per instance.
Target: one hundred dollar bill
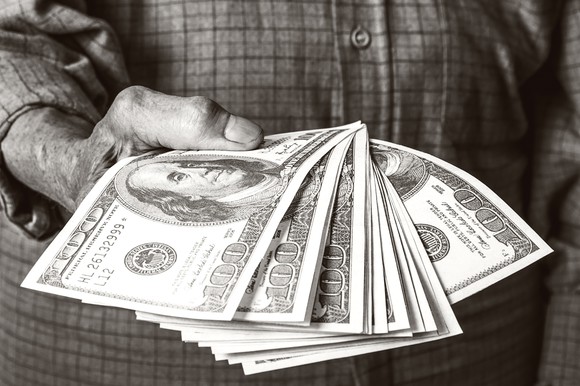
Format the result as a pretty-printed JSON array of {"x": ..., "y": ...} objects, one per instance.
[
  {"x": 472, "y": 237},
  {"x": 180, "y": 233},
  {"x": 340, "y": 295},
  {"x": 339, "y": 288},
  {"x": 280, "y": 289}
]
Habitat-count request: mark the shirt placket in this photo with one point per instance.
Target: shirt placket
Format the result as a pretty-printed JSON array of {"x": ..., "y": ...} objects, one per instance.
[{"x": 363, "y": 72}]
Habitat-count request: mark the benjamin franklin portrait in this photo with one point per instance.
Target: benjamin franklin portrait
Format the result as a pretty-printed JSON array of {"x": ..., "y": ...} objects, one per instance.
[{"x": 198, "y": 189}]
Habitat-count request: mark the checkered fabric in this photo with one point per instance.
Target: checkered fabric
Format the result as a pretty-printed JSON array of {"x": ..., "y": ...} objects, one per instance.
[{"x": 491, "y": 86}]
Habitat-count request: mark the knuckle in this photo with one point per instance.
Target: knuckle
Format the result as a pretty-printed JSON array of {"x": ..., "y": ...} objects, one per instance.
[
  {"x": 131, "y": 93},
  {"x": 204, "y": 104},
  {"x": 128, "y": 104},
  {"x": 129, "y": 99},
  {"x": 209, "y": 112}
]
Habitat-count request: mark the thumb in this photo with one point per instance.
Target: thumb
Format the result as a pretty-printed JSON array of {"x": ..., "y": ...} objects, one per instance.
[
  {"x": 152, "y": 119},
  {"x": 207, "y": 125},
  {"x": 242, "y": 132}
]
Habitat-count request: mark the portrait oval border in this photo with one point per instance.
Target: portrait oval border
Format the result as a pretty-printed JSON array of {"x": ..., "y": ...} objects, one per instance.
[
  {"x": 408, "y": 184},
  {"x": 153, "y": 212}
]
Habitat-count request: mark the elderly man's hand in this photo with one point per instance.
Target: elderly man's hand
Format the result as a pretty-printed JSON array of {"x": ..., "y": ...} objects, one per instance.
[
  {"x": 62, "y": 163},
  {"x": 140, "y": 120}
]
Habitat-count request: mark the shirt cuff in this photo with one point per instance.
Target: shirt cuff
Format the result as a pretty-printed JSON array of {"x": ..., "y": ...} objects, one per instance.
[{"x": 29, "y": 82}]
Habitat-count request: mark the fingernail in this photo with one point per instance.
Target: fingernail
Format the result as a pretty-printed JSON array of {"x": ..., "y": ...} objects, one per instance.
[{"x": 241, "y": 130}]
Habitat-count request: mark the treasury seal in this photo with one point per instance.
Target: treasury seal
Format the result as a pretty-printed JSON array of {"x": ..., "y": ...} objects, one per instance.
[
  {"x": 434, "y": 240},
  {"x": 150, "y": 258}
]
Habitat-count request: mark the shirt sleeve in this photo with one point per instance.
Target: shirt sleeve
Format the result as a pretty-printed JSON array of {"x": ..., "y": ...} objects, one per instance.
[
  {"x": 555, "y": 197},
  {"x": 51, "y": 55}
]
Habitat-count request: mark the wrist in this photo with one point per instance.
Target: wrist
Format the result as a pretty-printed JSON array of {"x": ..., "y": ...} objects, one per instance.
[
  {"x": 98, "y": 152},
  {"x": 43, "y": 149}
]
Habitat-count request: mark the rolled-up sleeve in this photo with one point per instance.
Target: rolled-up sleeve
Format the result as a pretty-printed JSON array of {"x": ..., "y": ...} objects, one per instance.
[{"x": 51, "y": 55}]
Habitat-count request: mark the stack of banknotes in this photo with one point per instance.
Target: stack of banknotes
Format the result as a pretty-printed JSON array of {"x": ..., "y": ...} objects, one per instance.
[{"x": 318, "y": 245}]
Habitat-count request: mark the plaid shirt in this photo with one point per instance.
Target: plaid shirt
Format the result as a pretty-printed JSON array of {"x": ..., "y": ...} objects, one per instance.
[{"x": 489, "y": 85}]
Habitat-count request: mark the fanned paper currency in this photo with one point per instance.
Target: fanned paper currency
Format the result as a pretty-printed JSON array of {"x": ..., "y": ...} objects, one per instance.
[
  {"x": 472, "y": 237},
  {"x": 319, "y": 245},
  {"x": 280, "y": 289},
  {"x": 180, "y": 233}
]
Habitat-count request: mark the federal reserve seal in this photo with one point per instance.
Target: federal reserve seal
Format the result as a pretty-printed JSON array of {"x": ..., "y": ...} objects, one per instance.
[
  {"x": 150, "y": 258},
  {"x": 435, "y": 242}
]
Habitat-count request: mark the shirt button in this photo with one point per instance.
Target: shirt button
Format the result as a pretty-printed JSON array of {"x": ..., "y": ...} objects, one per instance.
[{"x": 360, "y": 38}]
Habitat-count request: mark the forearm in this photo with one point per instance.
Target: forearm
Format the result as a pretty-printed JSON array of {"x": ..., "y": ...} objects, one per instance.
[{"x": 53, "y": 153}]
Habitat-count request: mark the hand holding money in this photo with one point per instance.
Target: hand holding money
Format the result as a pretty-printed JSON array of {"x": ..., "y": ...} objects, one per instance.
[
  {"x": 141, "y": 120},
  {"x": 318, "y": 245},
  {"x": 69, "y": 156}
]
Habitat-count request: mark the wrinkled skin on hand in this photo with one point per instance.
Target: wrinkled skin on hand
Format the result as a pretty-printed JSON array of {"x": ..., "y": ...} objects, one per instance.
[{"x": 58, "y": 155}]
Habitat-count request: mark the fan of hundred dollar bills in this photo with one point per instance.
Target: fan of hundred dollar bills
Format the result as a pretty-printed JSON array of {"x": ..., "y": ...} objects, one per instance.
[{"x": 320, "y": 244}]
